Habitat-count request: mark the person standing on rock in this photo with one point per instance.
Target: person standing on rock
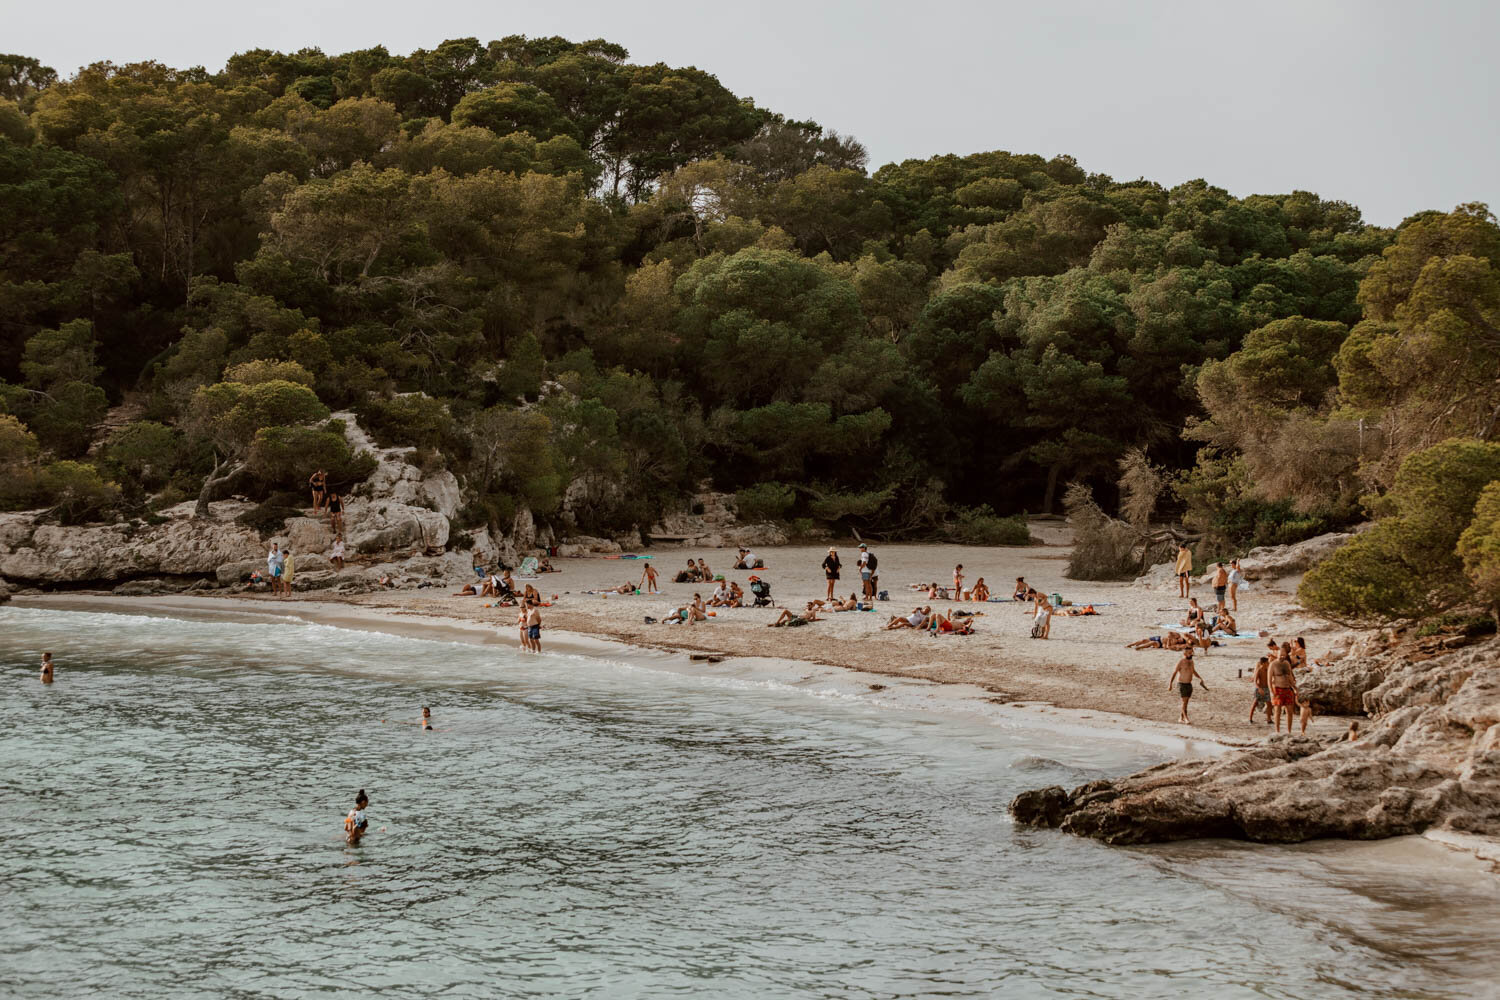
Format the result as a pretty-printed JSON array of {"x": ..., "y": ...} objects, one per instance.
[
  {"x": 1262, "y": 689},
  {"x": 318, "y": 483},
  {"x": 336, "y": 554},
  {"x": 1183, "y": 676},
  {"x": 1184, "y": 570},
  {"x": 1283, "y": 691},
  {"x": 831, "y": 566},
  {"x": 336, "y": 513}
]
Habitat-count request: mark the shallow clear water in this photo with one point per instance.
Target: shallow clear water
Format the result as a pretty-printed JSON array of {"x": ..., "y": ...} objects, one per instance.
[{"x": 588, "y": 827}]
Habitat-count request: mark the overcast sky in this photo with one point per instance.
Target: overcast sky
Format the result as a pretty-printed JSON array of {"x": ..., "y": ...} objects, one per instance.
[{"x": 1391, "y": 105}]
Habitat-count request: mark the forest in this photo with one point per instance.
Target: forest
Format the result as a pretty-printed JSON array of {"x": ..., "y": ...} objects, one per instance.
[{"x": 587, "y": 286}]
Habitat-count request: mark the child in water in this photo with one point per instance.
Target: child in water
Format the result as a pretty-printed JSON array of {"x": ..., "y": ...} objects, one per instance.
[{"x": 355, "y": 823}]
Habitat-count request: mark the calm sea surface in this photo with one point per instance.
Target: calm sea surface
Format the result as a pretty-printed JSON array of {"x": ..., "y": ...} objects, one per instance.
[{"x": 170, "y": 812}]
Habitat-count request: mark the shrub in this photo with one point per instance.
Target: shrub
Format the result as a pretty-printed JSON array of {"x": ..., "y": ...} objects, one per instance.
[
  {"x": 1103, "y": 548},
  {"x": 764, "y": 502},
  {"x": 256, "y": 372},
  {"x": 77, "y": 493},
  {"x": 1408, "y": 565},
  {"x": 286, "y": 456},
  {"x": 1479, "y": 548},
  {"x": 412, "y": 420},
  {"x": 981, "y": 526},
  {"x": 268, "y": 518},
  {"x": 146, "y": 451}
]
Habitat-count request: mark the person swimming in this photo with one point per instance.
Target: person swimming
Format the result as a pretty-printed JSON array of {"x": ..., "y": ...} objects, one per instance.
[
  {"x": 426, "y": 718},
  {"x": 355, "y": 824},
  {"x": 46, "y": 668}
]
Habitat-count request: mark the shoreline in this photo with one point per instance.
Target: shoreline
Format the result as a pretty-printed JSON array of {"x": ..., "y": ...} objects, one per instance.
[
  {"x": 892, "y": 690},
  {"x": 897, "y": 692}
]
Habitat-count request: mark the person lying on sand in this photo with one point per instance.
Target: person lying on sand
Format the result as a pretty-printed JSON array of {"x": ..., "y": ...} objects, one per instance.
[
  {"x": 917, "y": 619},
  {"x": 852, "y": 604},
  {"x": 790, "y": 620},
  {"x": 625, "y": 588},
  {"x": 466, "y": 591}
]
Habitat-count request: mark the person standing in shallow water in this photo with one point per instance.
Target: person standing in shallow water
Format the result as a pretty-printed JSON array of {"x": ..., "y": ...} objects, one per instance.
[
  {"x": 46, "y": 668},
  {"x": 355, "y": 824}
]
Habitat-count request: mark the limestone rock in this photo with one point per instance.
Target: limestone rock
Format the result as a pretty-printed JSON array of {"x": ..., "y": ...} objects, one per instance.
[
  {"x": 4, "y": 591},
  {"x": 1340, "y": 688},
  {"x": 1281, "y": 562},
  {"x": 1432, "y": 763},
  {"x": 385, "y": 526},
  {"x": 307, "y": 534},
  {"x": 586, "y": 545},
  {"x": 180, "y": 546}
]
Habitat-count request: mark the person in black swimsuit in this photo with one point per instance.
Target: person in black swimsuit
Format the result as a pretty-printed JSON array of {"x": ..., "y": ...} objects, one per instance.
[
  {"x": 336, "y": 512},
  {"x": 318, "y": 481},
  {"x": 831, "y": 566}
]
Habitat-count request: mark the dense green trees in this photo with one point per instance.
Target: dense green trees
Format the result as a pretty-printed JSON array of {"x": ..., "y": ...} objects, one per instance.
[{"x": 587, "y": 285}]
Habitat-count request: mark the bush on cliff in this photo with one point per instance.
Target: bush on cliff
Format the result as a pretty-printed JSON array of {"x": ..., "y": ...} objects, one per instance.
[
  {"x": 1479, "y": 547},
  {"x": 1408, "y": 566}
]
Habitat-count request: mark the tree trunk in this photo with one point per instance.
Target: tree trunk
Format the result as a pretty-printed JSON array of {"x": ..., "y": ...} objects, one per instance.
[
  {"x": 213, "y": 483},
  {"x": 1053, "y": 472}
]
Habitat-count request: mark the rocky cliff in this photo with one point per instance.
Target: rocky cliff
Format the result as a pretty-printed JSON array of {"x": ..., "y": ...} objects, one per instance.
[{"x": 1430, "y": 759}]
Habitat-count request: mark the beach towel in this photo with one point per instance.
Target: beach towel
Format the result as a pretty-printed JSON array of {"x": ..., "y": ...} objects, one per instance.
[{"x": 528, "y": 566}]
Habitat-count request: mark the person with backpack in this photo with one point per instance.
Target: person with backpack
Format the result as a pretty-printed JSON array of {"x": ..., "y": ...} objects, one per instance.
[{"x": 868, "y": 564}]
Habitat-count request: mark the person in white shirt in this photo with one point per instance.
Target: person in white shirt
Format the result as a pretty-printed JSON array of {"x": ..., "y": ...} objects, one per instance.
[{"x": 336, "y": 554}]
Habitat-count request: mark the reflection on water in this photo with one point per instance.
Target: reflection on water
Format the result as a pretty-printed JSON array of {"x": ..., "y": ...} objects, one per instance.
[{"x": 586, "y": 827}]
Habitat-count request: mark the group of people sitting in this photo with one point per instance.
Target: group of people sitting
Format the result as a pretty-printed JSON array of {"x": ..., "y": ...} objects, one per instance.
[
  {"x": 695, "y": 573},
  {"x": 501, "y": 586},
  {"x": 957, "y": 622}
]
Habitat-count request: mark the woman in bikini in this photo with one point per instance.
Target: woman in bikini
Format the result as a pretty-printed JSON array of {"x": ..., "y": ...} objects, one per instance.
[
  {"x": 318, "y": 483},
  {"x": 336, "y": 513}
]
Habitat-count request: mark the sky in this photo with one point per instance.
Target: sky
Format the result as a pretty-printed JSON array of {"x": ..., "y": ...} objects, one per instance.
[{"x": 1389, "y": 104}]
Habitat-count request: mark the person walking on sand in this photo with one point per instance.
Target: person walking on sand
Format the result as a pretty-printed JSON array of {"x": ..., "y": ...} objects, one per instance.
[
  {"x": 648, "y": 580},
  {"x": 534, "y": 627},
  {"x": 318, "y": 483},
  {"x": 1184, "y": 570},
  {"x": 1236, "y": 579},
  {"x": 1283, "y": 691},
  {"x": 1221, "y": 585},
  {"x": 831, "y": 567},
  {"x": 1262, "y": 689},
  {"x": 46, "y": 668},
  {"x": 1183, "y": 676}
]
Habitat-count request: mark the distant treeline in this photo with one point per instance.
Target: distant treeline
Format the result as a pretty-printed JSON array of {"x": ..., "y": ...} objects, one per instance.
[{"x": 588, "y": 285}]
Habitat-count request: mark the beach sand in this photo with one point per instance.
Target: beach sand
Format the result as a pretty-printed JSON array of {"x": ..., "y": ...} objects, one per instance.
[{"x": 1083, "y": 672}]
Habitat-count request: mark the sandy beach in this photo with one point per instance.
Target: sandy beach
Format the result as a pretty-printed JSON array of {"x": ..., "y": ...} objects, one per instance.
[{"x": 1083, "y": 671}]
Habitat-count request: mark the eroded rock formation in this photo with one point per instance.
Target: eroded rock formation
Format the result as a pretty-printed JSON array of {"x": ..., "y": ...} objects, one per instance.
[{"x": 1430, "y": 759}]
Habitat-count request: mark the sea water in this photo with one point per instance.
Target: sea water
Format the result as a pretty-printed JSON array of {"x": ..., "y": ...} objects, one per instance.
[{"x": 592, "y": 826}]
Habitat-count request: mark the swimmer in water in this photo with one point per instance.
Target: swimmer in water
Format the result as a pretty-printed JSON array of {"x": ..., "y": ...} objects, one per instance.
[
  {"x": 46, "y": 668},
  {"x": 355, "y": 824},
  {"x": 426, "y": 717}
]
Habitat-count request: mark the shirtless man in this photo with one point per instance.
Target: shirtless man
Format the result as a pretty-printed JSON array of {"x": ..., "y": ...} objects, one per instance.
[
  {"x": 1183, "y": 676},
  {"x": 1221, "y": 585},
  {"x": 788, "y": 619},
  {"x": 1283, "y": 690},
  {"x": 1262, "y": 689},
  {"x": 46, "y": 668},
  {"x": 648, "y": 580},
  {"x": 534, "y": 627},
  {"x": 1184, "y": 570}
]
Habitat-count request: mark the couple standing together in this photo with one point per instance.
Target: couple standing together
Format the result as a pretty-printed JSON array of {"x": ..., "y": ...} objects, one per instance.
[{"x": 867, "y": 563}]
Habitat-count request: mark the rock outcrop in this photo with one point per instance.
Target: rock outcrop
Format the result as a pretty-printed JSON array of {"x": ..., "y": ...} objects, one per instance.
[
  {"x": 180, "y": 545},
  {"x": 1431, "y": 760},
  {"x": 710, "y": 520},
  {"x": 1274, "y": 567}
]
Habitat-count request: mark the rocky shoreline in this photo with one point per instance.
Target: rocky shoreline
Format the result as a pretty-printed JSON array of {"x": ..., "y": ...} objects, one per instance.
[{"x": 1429, "y": 760}]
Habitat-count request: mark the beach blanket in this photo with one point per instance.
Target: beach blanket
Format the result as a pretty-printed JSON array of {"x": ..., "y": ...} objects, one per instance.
[
  {"x": 627, "y": 555},
  {"x": 1217, "y": 635}
]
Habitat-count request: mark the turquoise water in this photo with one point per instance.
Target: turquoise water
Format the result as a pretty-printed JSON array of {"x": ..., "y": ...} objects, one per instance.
[{"x": 589, "y": 827}]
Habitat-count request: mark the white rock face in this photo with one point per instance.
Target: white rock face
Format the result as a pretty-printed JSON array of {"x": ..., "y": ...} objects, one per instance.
[
  {"x": 1272, "y": 567},
  {"x": 389, "y": 526},
  {"x": 182, "y": 546},
  {"x": 718, "y": 525}
]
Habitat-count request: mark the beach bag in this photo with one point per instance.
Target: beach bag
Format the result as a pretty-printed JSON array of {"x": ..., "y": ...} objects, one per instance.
[{"x": 1055, "y": 600}]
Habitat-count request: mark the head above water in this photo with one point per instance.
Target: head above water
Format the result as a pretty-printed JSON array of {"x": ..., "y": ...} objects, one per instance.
[
  {"x": 426, "y": 711},
  {"x": 360, "y": 799},
  {"x": 46, "y": 657}
]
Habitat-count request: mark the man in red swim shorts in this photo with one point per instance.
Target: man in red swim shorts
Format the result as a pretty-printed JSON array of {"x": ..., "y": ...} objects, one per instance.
[{"x": 1283, "y": 691}]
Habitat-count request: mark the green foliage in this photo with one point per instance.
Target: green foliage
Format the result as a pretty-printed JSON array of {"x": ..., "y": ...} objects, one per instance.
[
  {"x": 145, "y": 453},
  {"x": 1479, "y": 547},
  {"x": 268, "y": 518},
  {"x": 77, "y": 493},
  {"x": 980, "y": 526},
  {"x": 1408, "y": 565},
  {"x": 287, "y": 456},
  {"x": 228, "y": 414},
  {"x": 413, "y": 420},
  {"x": 764, "y": 501}
]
